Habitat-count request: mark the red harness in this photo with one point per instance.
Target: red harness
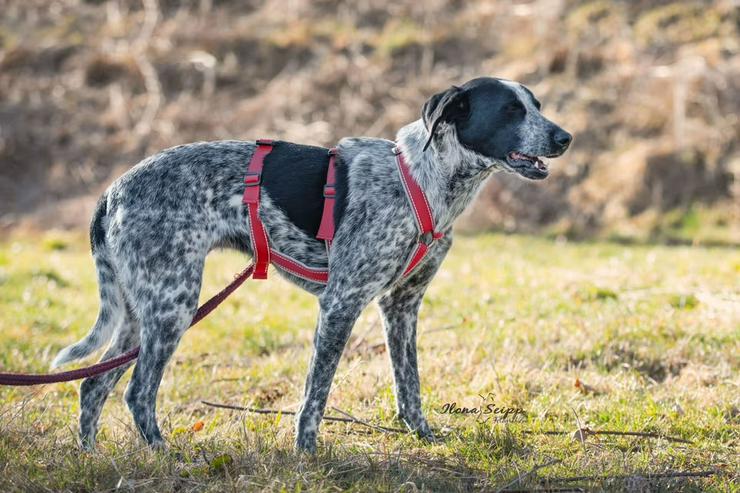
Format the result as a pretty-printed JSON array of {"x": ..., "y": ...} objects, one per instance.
[{"x": 264, "y": 255}]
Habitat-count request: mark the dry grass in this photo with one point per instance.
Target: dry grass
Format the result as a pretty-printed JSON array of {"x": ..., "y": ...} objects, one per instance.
[{"x": 595, "y": 336}]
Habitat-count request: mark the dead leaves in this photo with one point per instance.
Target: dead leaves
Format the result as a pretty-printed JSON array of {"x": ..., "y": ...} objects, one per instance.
[
  {"x": 586, "y": 389},
  {"x": 194, "y": 428}
]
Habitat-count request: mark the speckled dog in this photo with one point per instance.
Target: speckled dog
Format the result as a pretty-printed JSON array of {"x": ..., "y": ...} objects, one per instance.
[{"x": 154, "y": 226}]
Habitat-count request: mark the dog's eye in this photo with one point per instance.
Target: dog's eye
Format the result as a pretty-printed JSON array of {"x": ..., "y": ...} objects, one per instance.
[
  {"x": 463, "y": 106},
  {"x": 514, "y": 107}
]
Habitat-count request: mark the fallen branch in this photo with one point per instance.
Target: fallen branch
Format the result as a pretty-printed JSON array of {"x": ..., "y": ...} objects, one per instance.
[
  {"x": 350, "y": 419},
  {"x": 663, "y": 475},
  {"x": 587, "y": 431},
  {"x": 364, "y": 423},
  {"x": 584, "y": 432}
]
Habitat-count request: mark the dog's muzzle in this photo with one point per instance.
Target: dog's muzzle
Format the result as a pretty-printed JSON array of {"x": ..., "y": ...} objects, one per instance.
[{"x": 535, "y": 167}]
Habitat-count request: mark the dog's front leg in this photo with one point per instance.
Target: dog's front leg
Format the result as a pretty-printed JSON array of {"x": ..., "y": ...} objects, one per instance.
[
  {"x": 399, "y": 309},
  {"x": 336, "y": 319}
]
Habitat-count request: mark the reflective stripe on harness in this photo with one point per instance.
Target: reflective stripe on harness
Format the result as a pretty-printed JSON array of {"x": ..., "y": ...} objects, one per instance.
[
  {"x": 253, "y": 182},
  {"x": 326, "y": 229},
  {"x": 422, "y": 213}
]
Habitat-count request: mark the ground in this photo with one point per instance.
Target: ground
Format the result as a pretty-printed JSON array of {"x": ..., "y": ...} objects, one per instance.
[{"x": 596, "y": 336}]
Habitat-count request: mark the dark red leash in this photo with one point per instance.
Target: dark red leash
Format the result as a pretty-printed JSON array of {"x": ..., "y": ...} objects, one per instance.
[{"x": 20, "y": 379}]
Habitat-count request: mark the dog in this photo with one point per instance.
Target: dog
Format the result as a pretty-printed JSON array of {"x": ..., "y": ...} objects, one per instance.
[{"x": 154, "y": 226}]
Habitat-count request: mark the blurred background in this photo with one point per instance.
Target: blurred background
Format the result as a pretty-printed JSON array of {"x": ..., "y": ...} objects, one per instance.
[{"x": 650, "y": 89}]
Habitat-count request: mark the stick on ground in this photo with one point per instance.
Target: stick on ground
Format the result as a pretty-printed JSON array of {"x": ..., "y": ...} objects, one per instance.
[{"x": 255, "y": 410}]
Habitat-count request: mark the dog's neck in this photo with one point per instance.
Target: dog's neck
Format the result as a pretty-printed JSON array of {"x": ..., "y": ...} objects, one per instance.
[{"x": 449, "y": 174}]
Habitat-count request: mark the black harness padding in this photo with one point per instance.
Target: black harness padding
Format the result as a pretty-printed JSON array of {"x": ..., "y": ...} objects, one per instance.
[{"x": 294, "y": 176}]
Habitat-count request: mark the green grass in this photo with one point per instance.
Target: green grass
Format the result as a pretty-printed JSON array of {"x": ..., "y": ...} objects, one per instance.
[{"x": 650, "y": 333}]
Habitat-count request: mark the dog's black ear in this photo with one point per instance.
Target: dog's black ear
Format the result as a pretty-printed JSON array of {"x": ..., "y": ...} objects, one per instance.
[{"x": 446, "y": 106}]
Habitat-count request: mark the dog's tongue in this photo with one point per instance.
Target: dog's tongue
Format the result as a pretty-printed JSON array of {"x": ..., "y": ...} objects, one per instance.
[
  {"x": 538, "y": 163},
  {"x": 524, "y": 157}
]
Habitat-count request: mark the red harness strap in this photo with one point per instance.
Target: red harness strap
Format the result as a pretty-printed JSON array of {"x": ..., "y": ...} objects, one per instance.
[
  {"x": 263, "y": 254},
  {"x": 253, "y": 180},
  {"x": 422, "y": 213},
  {"x": 326, "y": 229}
]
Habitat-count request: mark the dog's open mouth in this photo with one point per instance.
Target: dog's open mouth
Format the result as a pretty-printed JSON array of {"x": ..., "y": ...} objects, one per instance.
[{"x": 532, "y": 167}]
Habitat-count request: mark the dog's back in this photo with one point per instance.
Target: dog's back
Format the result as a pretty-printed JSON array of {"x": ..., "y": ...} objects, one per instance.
[{"x": 294, "y": 176}]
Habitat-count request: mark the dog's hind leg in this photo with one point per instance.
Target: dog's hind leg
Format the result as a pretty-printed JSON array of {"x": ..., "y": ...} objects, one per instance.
[
  {"x": 94, "y": 391},
  {"x": 399, "y": 309},
  {"x": 165, "y": 310}
]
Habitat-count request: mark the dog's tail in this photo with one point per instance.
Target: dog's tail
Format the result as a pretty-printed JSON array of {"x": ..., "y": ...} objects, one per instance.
[{"x": 112, "y": 305}]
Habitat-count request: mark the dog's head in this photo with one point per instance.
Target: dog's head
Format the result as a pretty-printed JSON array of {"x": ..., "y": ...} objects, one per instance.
[{"x": 501, "y": 121}]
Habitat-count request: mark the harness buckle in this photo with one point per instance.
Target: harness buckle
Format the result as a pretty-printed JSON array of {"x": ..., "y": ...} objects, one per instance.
[
  {"x": 396, "y": 150},
  {"x": 430, "y": 237},
  {"x": 330, "y": 191},
  {"x": 253, "y": 179}
]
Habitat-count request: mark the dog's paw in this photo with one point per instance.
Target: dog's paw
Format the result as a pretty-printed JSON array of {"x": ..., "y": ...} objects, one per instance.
[
  {"x": 306, "y": 443},
  {"x": 419, "y": 427},
  {"x": 87, "y": 444},
  {"x": 159, "y": 446},
  {"x": 431, "y": 439},
  {"x": 425, "y": 434}
]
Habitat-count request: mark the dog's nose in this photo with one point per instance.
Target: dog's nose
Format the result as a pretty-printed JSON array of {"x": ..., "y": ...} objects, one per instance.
[{"x": 562, "y": 138}]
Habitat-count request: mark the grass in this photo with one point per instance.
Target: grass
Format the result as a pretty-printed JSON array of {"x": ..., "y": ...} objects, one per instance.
[{"x": 592, "y": 335}]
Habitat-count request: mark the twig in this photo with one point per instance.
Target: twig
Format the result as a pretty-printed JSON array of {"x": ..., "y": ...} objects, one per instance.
[
  {"x": 293, "y": 413},
  {"x": 529, "y": 473},
  {"x": 587, "y": 431},
  {"x": 364, "y": 423},
  {"x": 356, "y": 345},
  {"x": 664, "y": 475}
]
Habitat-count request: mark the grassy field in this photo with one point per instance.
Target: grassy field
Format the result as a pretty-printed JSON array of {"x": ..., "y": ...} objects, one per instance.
[{"x": 597, "y": 337}]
